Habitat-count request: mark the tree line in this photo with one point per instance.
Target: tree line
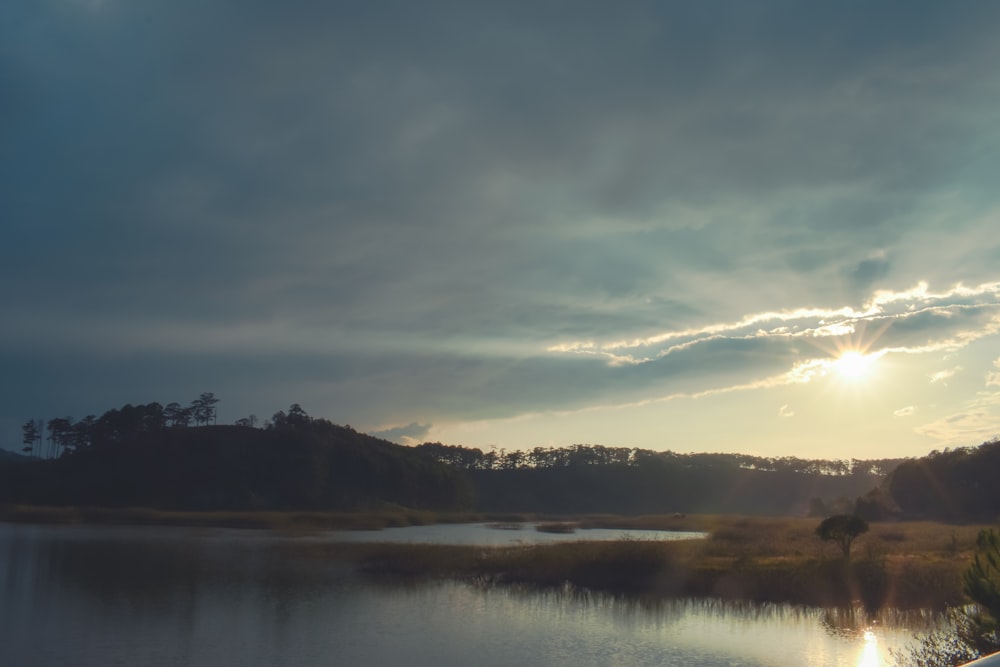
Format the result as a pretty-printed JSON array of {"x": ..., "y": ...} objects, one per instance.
[
  {"x": 62, "y": 435},
  {"x": 471, "y": 458},
  {"x": 595, "y": 478},
  {"x": 951, "y": 485},
  {"x": 114, "y": 426}
]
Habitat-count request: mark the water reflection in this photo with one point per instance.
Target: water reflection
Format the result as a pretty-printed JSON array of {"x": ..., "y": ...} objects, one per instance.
[
  {"x": 869, "y": 656},
  {"x": 492, "y": 534},
  {"x": 176, "y": 598},
  {"x": 736, "y": 632},
  {"x": 724, "y": 632}
]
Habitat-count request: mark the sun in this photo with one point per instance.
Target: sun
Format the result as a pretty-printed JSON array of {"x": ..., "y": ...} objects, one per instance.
[
  {"x": 852, "y": 358},
  {"x": 854, "y": 365}
]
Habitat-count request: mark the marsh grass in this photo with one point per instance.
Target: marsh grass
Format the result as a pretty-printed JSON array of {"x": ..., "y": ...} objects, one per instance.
[
  {"x": 903, "y": 565},
  {"x": 900, "y": 565}
]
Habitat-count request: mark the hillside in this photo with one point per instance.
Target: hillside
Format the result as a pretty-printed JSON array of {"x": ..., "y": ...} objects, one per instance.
[
  {"x": 309, "y": 465},
  {"x": 953, "y": 485},
  {"x": 151, "y": 455}
]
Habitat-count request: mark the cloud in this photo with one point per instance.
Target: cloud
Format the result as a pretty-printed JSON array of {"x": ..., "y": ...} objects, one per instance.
[
  {"x": 947, "y": 320},
  {"x": 945, "y": 375},
  {"x": 908, "y": 411},
  {"x": 993, "y": 377},
  {"x": 785, "y": 411},
  {"x": 407, "y": 215},
  {"x": 979, "y": 421},
  {"x": 871, "y": 269},
  {"x": 410, "y": 434},
  {"x": 470, "y": 383}
]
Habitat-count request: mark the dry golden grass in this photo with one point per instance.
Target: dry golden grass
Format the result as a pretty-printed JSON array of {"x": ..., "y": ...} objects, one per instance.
[{"x": 900, "y": 565}]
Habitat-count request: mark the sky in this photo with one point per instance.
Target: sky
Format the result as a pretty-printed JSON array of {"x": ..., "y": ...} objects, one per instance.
[{"x": 762, "y": 227}]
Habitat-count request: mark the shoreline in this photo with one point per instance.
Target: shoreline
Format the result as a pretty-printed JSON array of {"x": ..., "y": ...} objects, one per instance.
[{"x": 906, "y": 565}]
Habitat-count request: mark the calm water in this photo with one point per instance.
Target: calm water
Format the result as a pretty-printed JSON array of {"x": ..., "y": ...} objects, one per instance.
[
  {"x": 491, "y": 535},
  {"x": 174, "y": 597}
]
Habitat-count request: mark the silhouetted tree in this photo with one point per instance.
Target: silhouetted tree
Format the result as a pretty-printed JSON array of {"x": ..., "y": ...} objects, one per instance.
[
  {"x": 842, "y": 529},
  {"x": 32, "y": 434},
  {"x": 60, "y": 432},
  {"x": 177, "y": 415},
  {"x": 297, "y": 417},
  {"x": 83, "y": 432},
  {"x": 247, "y": 422},
  {"x": 203, "y": 408},
  {"x": 152, "y": 417}
]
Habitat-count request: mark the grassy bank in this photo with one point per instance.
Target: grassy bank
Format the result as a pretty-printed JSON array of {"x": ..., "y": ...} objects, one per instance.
[
  {"x": 904, "y": 565},
  {"x": 287, "y": 521},
  {"x": 901, "y": 565}
]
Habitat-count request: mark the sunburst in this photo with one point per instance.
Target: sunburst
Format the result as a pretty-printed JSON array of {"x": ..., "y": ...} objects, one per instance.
[
  {"x": 854, "y": 365},
  {"x": 854, "y": 357}
]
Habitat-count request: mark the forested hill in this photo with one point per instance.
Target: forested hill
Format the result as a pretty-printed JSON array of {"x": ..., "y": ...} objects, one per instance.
[
  {"x": 594, "y": 478},
  {"x": 954, "y": 485},
  {"x": 305, "y": 464},
  {"x": 177, "y": 457}
]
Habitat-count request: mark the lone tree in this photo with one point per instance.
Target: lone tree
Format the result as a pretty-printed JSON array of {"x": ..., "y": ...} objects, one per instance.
[{"x": 842, "y": 529}]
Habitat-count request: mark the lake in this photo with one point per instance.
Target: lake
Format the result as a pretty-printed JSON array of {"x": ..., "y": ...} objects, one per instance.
[
  {"x": 507, "y": 534},
  {"x": 131, "y": 596}
]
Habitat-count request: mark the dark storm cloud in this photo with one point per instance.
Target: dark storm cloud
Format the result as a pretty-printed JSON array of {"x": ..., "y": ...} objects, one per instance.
[{"x": 396, "y": 207}]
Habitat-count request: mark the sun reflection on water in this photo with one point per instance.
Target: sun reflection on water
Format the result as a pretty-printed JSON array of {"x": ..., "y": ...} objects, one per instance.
[{"x": 870, "y": 656}]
